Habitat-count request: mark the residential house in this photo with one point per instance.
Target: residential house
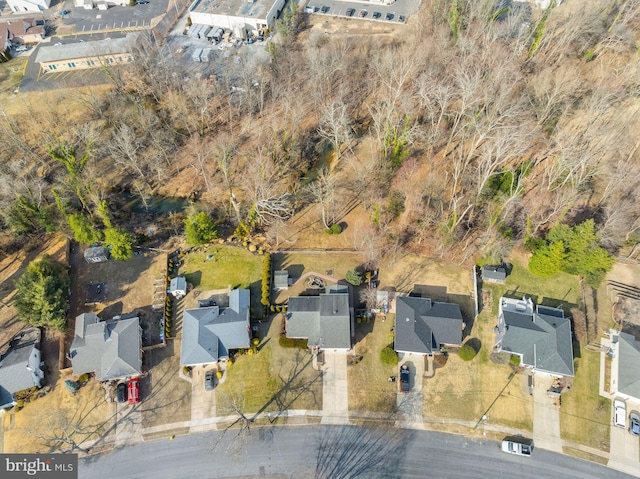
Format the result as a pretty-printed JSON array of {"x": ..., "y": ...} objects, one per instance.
[
  {"x": 424, "y": 326},
  {"x": 541, "y": 336},
  {"x": 209, "y": 333},
  {"x": 325, "y": 321},
  {"x": 111, "y": 349},
  {"x": 178, "y": 287},
  {"x": 625, "y": 365},
  {"x": 21, "y": 6},
  {"x": 494, "y": 274},
  {"x": 20, "y": 31},
  {"x": 20, "y": 367}
]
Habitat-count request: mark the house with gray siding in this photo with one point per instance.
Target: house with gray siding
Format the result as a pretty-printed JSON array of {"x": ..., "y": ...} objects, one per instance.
[
  {"x": 540, "y": 335},
  {"x": 111, "y": 349},
  {"x": 424, "y": 326},
  {"x": 210, "y": 332},
  {"x": 20, "y": 367}
]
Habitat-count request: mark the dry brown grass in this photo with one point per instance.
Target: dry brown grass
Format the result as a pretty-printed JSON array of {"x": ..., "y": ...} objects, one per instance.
[
  {"x": 369, "y": 388},
  {"x": 88, "y": 403}
]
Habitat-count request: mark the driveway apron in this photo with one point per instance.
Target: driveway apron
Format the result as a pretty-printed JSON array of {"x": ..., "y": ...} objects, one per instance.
[
  {"x": 409, "y": 404},
  {"x": 203, "y": 402},
  {"x": 546, "y": 416},
  {"x": 335, "y": 395}
]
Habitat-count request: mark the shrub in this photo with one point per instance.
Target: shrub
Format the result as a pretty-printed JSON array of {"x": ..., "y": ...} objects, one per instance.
[
  {"x": 388, "y": 356},
  {"x": 334, "y": 229},
  {"x": 219, "y": 374},
  {"x": 466, "y": 352},
  {"x": 514, "y": 360},
  {"x": 83, "y": 378},
  {"x": 185, "y": 370},
  {"x": 292, "y": 343},
  {"x": 353, "y": 277},
  {"x": 71, "y": 385},
  {"x": 199, "y": 229},
  {"x": 255, "y": 341},
  {"x": 266, "y": 280}
]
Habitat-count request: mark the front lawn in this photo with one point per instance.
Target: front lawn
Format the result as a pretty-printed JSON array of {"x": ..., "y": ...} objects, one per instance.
[
  {"x": 369, "y": 387},
  {"x": 274, "y": 379}
]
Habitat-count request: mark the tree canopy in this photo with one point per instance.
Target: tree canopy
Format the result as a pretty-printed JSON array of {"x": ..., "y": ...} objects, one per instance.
[
  {"x": 120, "y": 243},
  {"x": 42, "y": 291},
  {"x": 574, "y": 251},
  {"x": 83, "y": 231},
  {"x": 200, "y": 229}
]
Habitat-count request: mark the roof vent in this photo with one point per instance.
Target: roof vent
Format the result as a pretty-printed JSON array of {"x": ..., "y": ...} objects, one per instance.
[{"x": 408, "y": 320}]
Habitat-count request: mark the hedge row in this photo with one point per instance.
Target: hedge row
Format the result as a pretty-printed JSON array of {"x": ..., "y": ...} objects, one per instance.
[
  {"x": 168, "y": 316},
  {"x": 266, "y": 279},
  {"x": 292, "y": 343}
]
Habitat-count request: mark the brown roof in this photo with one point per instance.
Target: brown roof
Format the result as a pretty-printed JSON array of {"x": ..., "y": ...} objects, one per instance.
[{"x": 18, "y": 28}]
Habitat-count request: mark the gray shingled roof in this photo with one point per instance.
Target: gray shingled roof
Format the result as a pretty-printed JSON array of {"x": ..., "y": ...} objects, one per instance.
[
  {"x": 494, "y": 273},
  {"x": 422, "y": 325},
  {"x": 209, "y": 333},
  {"x": 72, "y": 51},
  {"x": 14, "y": 375},
  {"x": 324, "y": 320},
  {"x": 629, "y": 365},
  {"x": 542, "y": 338},
  {"x": 110, "y": 348}
]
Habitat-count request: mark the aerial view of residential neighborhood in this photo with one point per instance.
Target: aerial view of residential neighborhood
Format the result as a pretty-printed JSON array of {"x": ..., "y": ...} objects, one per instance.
[{"x": 326, "y": 239}]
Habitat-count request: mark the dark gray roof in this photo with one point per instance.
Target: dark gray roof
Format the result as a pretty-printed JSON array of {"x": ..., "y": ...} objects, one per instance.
[
  {"x": 109, "y": 348},
  {"x": 422, "y": 325},
  {"x": 494, "y": 273},
  {"x": 629, "y": 365},
  {"x": 14, "y": 375},
  {"x": 209, "y": 333},
  {"x": 543, "y": 338},
  {"x": 324, "y": 320}
]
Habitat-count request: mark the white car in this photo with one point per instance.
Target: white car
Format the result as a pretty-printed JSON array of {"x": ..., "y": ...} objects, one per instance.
[
  {"x": 619, "y": 413},
  {"x": 23, "y": 48}
]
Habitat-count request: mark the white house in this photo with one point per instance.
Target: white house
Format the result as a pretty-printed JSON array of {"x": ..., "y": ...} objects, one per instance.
[
  {"x": 20, "y": 6},
  {"x": 237, "y": 16}
]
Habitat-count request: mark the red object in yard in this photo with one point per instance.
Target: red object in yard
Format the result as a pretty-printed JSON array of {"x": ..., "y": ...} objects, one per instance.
[{"x": 134, "y": 391}]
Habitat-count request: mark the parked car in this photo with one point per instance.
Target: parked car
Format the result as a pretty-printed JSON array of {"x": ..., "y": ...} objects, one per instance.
[
  {"x": 324, "y": 9},
  {"x": 122, "y": 392},
  {"x": 23, "y": 48},
  {"x": 619, "y": 413},
  {"x": 134, "y": 391},
  {"x": 401, "y": 18},
  {"x": 209, "y": 380},
  {"x": 65, "y": 12},
  {"x": 405, "y": 386},
  {"x": 518, "y": 446},
  {"x": 377, "y": 14},
  {"x": 142, "y": 2},
  {"x": 350, "y": 12},
  {"x": 363, "y": 13},
  {"x": 634, "y": 423},
  {"x": 389, "y": 16}
]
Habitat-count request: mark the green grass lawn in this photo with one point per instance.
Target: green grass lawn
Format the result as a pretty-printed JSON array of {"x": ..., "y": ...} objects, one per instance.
[
  {"x": 229, "y": 265},
  {"x": 274, "y": 379},
  {"x": 369, "y": 388},
  {"x": 585, "y": 416}
]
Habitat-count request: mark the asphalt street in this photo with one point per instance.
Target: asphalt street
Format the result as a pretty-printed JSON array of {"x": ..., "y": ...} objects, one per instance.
[{"x": 333, "y": 452}]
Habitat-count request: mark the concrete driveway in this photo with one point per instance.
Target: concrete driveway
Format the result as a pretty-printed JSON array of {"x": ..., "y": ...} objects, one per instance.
[
  {"x": 623, "y": 447},
  {"x": 203, "y": 402},
  {"x": 409, "y": 404},
  {"x": 546, "y": 416},
  {"x": 128, "y": 424},
  {"x": 335, "y": 392}
]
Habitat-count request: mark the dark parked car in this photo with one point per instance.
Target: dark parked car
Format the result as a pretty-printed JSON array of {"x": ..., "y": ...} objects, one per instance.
[
  {"x": 208, "y": 380},
  {"x": 634, "y": 423},
  {"x": 122, "y": 392},
  {"x": 363, "y": 13},
  {"x": 404, "y": 378},
  {"x": 350, "y": 12},
  {"x": 389, "y": 16},
  {"x": 401, "y": 18},
  {"x": 377, "y": 14},
  {"x": 324, "y": 9}
]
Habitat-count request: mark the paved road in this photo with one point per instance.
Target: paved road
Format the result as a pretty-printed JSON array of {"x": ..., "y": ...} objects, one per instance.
[{"x": 335, "y": 452}]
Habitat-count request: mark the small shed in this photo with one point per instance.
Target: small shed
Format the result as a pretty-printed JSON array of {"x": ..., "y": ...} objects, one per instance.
[
  {"x": 494, "y": 274},
  {"x": 96, "y": 254},
  {"x": 281, "y": 280},
  {"x": 178, "y": 287}
]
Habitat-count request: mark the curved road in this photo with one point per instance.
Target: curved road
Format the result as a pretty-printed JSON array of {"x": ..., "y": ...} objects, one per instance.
[{"x": 332, "y": 452}]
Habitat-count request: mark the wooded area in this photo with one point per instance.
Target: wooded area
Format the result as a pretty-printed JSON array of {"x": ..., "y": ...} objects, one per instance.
[{"x": 479, "y": 128}]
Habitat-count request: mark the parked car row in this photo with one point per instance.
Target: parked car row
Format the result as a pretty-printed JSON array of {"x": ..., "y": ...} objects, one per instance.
[
  {"x": 128, "y": 391},
  {"x": 325, "y": 9},
  {"x": 620, "y": 417}
]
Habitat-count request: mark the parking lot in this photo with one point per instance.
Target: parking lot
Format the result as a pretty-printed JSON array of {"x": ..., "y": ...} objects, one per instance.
[{"x": 397, "y": 12}]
